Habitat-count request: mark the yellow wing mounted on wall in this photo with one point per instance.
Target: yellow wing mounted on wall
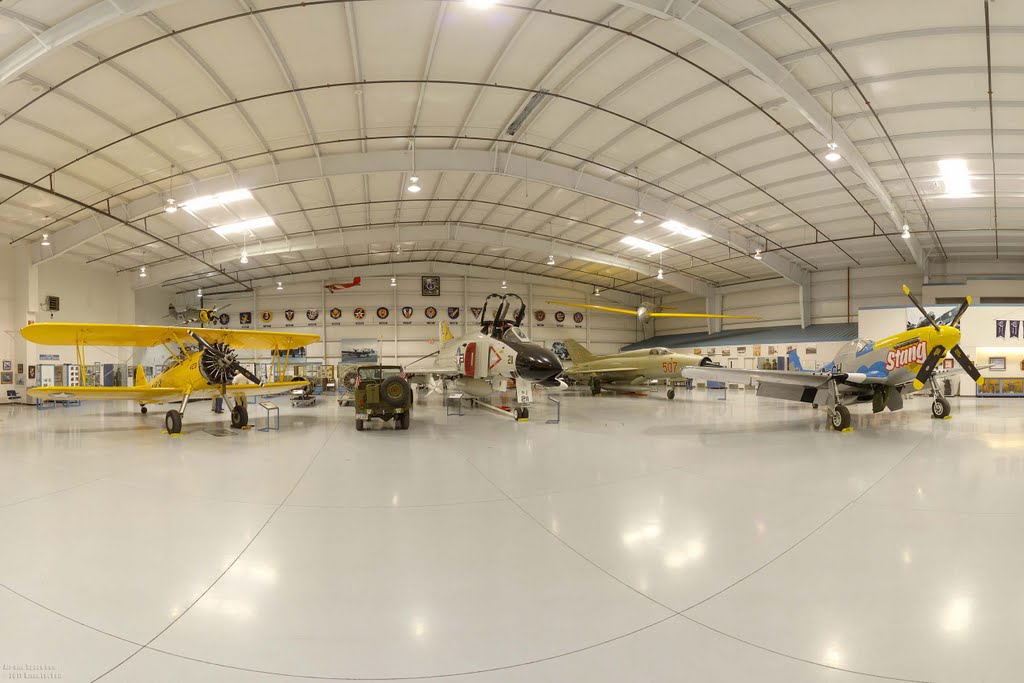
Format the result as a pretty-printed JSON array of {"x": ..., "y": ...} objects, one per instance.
[
  {"x": 90, "y": 334},
  {"x": 635, "y": 312}
]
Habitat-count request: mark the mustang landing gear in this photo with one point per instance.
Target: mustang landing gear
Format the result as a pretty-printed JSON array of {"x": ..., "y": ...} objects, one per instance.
[
  {"x": 839, "y": 418},
  {"x": 941, "y": 408}
]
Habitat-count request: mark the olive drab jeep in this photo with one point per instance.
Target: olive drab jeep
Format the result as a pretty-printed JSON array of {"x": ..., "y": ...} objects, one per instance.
[{"x": 382, "y": 391}]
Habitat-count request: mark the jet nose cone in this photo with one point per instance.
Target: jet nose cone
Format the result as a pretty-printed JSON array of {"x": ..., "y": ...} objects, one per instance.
[{"x": 537, "y": 364}]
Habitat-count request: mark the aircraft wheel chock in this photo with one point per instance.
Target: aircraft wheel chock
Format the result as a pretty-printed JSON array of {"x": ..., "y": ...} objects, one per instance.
[
  {"x": 671, "y": 394},
  {"x": 940, "y": 408},
  {"x": 173, "y": 422},
  {"x": 839, "y": 418}
]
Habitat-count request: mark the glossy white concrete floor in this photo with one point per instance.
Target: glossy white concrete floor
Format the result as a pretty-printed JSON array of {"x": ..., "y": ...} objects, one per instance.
[{"x": 639, "y": 540}]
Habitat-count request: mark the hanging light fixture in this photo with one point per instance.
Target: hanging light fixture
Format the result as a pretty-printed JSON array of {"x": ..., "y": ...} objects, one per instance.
[
  {"x": 661, "y": 274},
  {"x": 200, "y": 293},
  {"x": 597, "y": 291},
  {"x": 172, "y": 206},
  {"x": 46, "y": 240},
  {"x": 833, "y": 154},
  {"x": 757, "y": 255},
  {"x": 280, "y": 286},
  {"x": 906, "y": 232},
  {"x": 504, "y": 284},
  {"x": 551, "y": 259},
  {"x": 142, "y": 271},
  {"x": 414, "y": 184},
  {"x": 244, "y": 259},
  {"x": 639, "y": 220},
  {"x": 394, "y": 282}
]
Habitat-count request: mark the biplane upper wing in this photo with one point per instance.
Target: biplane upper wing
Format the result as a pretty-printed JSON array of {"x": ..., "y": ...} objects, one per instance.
[
  {"x": 139, "y": 394},
  {"x": 97, "y": 334}
]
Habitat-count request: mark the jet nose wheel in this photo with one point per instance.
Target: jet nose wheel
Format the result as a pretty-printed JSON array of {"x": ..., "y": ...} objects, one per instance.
[
  {"x": 173, "y": 422},
  {"x": 839, "y": 418},
  {"x": 941, "y": 408}
]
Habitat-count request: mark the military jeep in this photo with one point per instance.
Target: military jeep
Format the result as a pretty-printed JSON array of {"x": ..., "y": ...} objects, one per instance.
[{"x": 382, "y": 391}]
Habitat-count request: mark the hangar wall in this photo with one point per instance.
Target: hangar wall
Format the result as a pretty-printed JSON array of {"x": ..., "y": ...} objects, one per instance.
[
  {"x": 834, "y": 299},
  {"x": 397, "y": 338}
]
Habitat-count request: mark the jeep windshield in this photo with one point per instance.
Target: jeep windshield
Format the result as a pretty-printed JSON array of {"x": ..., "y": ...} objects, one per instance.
[{"x": 378, "y": 374}]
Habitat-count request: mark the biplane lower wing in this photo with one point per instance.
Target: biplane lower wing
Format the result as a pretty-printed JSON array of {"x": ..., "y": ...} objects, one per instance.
[{"x": 138, "y": 394}]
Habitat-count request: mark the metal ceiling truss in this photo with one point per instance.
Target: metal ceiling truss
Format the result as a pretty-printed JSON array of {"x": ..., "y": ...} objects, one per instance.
[{"x": 469, "y": 161}]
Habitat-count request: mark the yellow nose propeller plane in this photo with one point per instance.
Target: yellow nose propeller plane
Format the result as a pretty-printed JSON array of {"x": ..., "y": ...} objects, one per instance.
[{"x": 204, "y": 365}]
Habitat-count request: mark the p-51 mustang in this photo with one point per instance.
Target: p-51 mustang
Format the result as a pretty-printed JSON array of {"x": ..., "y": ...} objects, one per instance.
[
  {"x": 482, "y": 362},
  {"x": 203, "y": 366},
  {"x": 864, "y": 371},
  {"x": 194, "y": 315}
]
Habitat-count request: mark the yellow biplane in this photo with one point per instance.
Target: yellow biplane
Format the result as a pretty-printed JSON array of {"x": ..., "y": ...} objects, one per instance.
[{"x": 203, "y": 364}]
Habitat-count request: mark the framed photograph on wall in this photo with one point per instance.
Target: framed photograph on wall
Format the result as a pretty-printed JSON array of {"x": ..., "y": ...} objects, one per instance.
[
  {"x": 997, "y": 363},
  {"x": 6, "y": 377},
  {"x": 947, "y": 364},
  {"x": 7, "y": 365},
  {"x": 430, "y": 285}
]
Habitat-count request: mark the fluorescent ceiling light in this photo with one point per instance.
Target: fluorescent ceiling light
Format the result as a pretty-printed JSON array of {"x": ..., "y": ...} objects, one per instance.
[
  {"x": 650, "y": 247},
  {"x": 955, "y": 177},
  {"x": 230, "y": 228},
  {"x": 212, "y": 200},
  {"x": 680, "y": 229}
]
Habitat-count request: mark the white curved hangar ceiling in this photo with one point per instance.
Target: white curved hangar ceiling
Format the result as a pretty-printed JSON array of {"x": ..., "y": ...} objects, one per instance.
[{"x": 586, "y": 141}]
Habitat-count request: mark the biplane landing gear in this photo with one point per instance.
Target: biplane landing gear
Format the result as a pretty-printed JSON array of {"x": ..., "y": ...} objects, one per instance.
[
  {"x": 839, "y": 418},
  {"x": 239, "y": 414},
  {"x": 144, "y": 410},
  {"x": 173, "y": 418}
]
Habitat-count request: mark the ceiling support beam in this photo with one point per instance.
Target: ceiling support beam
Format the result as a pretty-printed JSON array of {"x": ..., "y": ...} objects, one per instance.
[
  {"x": 426, "y": 233},
  {"x": 71, "y": 30},
  {"x": 460, "y": 160},
  {"x": 737, "y": 45}
]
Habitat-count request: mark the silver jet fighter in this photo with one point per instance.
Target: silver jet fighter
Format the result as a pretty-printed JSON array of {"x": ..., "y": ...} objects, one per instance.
[{"x": 482, "y": 362}]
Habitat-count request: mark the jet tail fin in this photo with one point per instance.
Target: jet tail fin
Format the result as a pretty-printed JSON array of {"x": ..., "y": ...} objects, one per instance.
[
  {"x": 140, "y": 377},
  {"x": 578, "y": 353},
  {"x": 444, "y": 334},
  {"x": 794, "y": 361}
]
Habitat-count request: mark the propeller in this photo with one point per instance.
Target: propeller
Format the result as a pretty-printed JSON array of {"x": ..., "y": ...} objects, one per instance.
[
  {"x": 219, "y": 363},
  {"x": 938, "y": 351}
]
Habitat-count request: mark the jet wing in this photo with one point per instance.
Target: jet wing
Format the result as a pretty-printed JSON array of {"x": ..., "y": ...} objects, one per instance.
[
  {"x": 140, "y": 394},
  {"x": 569, "y": 371},
  {"x": 791, "y": 377},
  {"x": 95, "y": 334}
]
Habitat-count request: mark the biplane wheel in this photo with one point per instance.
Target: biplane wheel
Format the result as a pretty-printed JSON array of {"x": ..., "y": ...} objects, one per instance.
[
  {"x": 144, "y": 410},
  {"x": 239, "y": 416},
  {"x": 839, "y": 418},
  {"x": 940, "y": 408},
  {"x": 359, "y": 425},
  {"x": 671, "y": 394},
  {"x": 173, "y": 422}
]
